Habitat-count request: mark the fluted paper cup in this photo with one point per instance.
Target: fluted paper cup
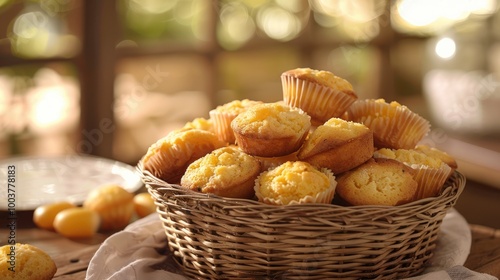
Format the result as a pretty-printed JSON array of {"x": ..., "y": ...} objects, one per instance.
[
  {"x": 320, "y": 102},
  {"x": 394, "y": 126}
]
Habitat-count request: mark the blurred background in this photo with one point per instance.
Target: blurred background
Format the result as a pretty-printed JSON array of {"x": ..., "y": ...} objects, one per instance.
[{"x": 109, "y": 78}]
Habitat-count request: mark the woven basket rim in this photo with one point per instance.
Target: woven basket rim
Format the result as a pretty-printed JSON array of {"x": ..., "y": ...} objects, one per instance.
[{"x": 161, "y": 187}]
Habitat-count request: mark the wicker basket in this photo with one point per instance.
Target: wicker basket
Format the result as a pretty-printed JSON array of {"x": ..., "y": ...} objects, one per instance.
[{"x": 220, "y": 238}]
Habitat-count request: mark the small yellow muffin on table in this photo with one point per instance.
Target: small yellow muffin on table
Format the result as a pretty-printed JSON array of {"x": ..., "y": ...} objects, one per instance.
[
  {"x": 144, "y": 204},
  {"x": 168, "y": 158},
  {"x": 222, "y": 116},
  {"x": 321, "y": 94},
  {"x": 295, "y": 182},
  {"x": 378, "y": 182},
  {"x": 338, "y": 145},
  {"x": 431, "y": 172},
  {"x": 25, "y": 262},
  {"x": 271, "y": 129},
  {"x": 227, "y": 172},
  {"x": 113, "y": 203},
  {"x": 394, "y": 125}
]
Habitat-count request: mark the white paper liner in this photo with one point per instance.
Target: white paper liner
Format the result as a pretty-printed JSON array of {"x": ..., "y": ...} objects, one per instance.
[
  {"x": 393, "y": 127},
  {"x": 430, "y": 180},
  {"x": 320, "y": 102},
  {"x": 222, "y": 126}
]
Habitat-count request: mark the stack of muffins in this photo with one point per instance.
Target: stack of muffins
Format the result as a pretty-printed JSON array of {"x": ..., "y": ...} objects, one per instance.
[{"x": 318, "y": 142}]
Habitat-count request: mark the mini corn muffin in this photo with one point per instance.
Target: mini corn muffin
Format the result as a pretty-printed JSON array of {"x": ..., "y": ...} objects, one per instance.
[
  {"x": 227, "y": 172},
  {"x": 338, "y": 145},
  {"x": 200, "y": 123},
  {"x": 27, "y": 261},
  {"x": 394, "y": 126},
  {"x": 295, "y": 182},
  {"x": 431, "y": 172},
  {"x": 113, "y": 203},
  {"x": 271, "y": 162},
  {"x": 271, "y": 129},
  {"x": 321, "y": 94},
  {"x": 436, "y": 153},
  {"x": 378, "y": 182},
  {"x": 222, "y": 116},
  {"x": 168, "y": 158}
]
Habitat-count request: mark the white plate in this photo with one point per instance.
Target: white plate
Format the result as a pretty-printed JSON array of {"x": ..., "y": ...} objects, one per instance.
[{"x": 42, "y": 180}]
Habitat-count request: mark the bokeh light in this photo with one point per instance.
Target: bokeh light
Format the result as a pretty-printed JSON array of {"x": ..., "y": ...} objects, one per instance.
[
  {"x": 53, "y": 103},
  {"x": 37, "y": 33},
  {"x": 430, "y": 17},
  {"x": 236, "y": 25},
  {"x": 446, "y": 48},
  {"x": 152, "y": 6},
  {"x": 356, "y": 20},
  {"x": 241, "y": 21},
  {"x": 158, "y": 19},
  {"x": 278, "y": 23}
]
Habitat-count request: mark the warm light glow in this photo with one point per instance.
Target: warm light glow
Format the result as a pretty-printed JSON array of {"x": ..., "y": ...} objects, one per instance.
[
  {"x": 433, "y": 16},
  {"x": 48, "y": 107},
  {"x": 12, "y": 106},
  {"x": 278, "y": 23},
  {"x": 445, "y": 48},
  {"x": 35, "y": 34},
  {"x": 5, "y": 94},
  {"x": 237, "y": 27},
  {"x": 418, "y": 12},
  {"x": 456, "y": 10},
  {"x": 361, "y": 10},
  {"x": 30, "y": 34},
  {"x": 327, "y": 7},
  {"x": 152, "y": 6},
  {"x": 356, "y": 19},
  {"x": 483, "y": 7},
  {"x": 294, "y": 6},
  {"x": 53, "y": 103}
]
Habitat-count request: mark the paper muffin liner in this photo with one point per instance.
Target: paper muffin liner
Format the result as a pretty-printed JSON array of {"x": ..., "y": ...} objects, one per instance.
[
  {"x": 430, "y": 180},
  {"x": 168, "y": 157},
  {"x": 271, "y": 162},
  {"x": 393, "y": 127},
  {"x": 325, "y": 197},
  {"x": 222, "y": 125},
  {"x": 320, "y": 102}
]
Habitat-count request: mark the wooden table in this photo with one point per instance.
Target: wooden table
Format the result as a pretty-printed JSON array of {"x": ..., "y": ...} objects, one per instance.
[
  {"x": 485, "y": 250},
  {"x": 72, "y": 257}
]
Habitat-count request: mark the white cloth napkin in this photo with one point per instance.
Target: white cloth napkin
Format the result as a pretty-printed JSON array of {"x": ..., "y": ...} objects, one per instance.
[{"x": 136, "y": 253}]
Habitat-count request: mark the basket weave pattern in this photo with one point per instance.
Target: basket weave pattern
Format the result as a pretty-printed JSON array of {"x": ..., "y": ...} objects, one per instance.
[{"x": 222, "y": 238}]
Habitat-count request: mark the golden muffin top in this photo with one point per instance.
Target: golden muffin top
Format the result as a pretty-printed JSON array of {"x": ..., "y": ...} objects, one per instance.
[
  {"x": 223, "y": 166},
  {"x": 271, "y": 119},
  {"x": 409, "y": 156},
  {"x": 236, "y": 106},
  {"x": 321, "y": 77},
  {"x": 292, "y": 181}
]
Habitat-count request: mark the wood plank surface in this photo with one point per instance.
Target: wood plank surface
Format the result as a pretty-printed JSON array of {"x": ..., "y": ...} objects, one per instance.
[
  {"x": 72, "y": 257},
  {"x": 485, "y": 250}
]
